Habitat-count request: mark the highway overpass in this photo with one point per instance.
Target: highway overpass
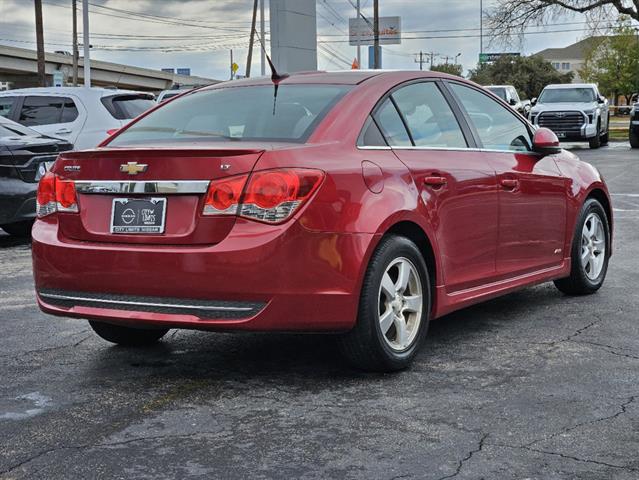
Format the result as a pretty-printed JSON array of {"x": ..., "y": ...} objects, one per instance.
[{"x": 19, "y": 66}]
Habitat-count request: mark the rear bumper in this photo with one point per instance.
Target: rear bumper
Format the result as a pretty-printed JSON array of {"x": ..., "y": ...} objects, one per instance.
[
  {"x": 281, "y": 278},
  {"x": 17, "y": 201}
]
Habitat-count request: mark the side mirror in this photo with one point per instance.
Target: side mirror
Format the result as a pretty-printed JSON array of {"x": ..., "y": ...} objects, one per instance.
[
  {"x": 545, "y": 142},
  {"x": 601, "y": 99},
  {"x": 512, "y": 101},
  {"x": 533, "y": 101}
]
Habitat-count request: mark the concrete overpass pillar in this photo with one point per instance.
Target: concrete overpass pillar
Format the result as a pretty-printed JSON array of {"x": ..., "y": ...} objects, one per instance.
[{"x": 293, "y": 26}]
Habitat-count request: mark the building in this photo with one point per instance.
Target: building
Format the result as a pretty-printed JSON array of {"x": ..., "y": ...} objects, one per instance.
[
  {"x": 4, "y": 86},
  {"x": 570, "y": 58}
]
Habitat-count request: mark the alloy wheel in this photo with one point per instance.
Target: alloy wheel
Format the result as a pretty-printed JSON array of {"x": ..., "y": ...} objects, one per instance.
[
  {"x": 593, "y": 246},
  {"x": 400, "y": 304}
]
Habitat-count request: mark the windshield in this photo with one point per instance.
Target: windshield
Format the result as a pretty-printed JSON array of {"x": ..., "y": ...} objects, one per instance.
[
  {"x": 15, "y": 129},
  {"x": 567, "y": 95},
  {"x": 499, "y": 91},
  {"x": 236, "y": 114}
]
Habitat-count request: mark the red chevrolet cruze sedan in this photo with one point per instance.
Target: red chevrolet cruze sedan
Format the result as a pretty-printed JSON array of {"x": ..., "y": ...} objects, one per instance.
[{"x": 364, "y": 203}]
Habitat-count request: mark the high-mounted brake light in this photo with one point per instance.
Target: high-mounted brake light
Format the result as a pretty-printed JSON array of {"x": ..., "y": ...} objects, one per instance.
[
  {"x": 269, "y": 195},
  {"x": 55, "y": 195}
]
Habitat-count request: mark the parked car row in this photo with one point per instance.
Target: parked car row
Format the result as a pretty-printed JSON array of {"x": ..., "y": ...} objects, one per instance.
[{"x": 633, "y": 133}]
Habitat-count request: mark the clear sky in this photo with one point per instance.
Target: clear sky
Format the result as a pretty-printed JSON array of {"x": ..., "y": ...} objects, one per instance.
[{"x": 199, "y": 33}]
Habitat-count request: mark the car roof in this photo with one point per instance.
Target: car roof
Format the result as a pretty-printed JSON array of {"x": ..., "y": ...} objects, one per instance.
[
  {"x": 335, "y": 77},
  {"x": 498, "y": 86},
  {"x": 80, "y": 91}
]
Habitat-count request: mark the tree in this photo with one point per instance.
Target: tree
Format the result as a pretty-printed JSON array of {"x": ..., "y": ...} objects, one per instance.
[
  {"x": 452, "y": 68},
  {"x": 529, "y": 75},
  {"x": 613, "y": 62},
  {"x": 512, "y": 17}
]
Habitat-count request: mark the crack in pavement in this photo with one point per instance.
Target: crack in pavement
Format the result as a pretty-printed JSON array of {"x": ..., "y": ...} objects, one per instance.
[{"x": 470, "y": 454}]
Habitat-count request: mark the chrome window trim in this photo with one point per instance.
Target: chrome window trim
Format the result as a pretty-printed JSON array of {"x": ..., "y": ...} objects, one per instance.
[
  {"x": 166, "y": 187},
  {"x": 144, "y": 304},
  {"x": 373, "y": 147},
  {"x": 447, "y": 149}
]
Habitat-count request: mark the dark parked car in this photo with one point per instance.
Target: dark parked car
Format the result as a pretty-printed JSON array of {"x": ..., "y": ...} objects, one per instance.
[
  {"x": 634, "y": 126},
  {"x": 24, "y": 157}
]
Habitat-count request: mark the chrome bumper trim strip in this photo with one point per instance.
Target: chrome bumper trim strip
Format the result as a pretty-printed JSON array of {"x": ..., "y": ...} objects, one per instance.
[{"x": 166, "y": 187}]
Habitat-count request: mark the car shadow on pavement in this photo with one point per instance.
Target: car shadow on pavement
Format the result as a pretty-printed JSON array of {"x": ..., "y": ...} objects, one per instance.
[
  {"x": 7, "y": 241},
  {"x": 217, "y": 357}
]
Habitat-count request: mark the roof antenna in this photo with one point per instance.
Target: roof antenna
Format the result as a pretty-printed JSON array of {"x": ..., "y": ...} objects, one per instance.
[{"x": 275, "y": 77}]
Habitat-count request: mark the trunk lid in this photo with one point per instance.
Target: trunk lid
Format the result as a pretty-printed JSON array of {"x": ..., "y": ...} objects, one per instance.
[{"x": 180, "y": 176}]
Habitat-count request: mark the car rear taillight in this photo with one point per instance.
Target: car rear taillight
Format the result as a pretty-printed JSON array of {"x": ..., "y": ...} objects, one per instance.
[
  {"x": 269, "y": 196},
  {"x": 55, "y": 195}
]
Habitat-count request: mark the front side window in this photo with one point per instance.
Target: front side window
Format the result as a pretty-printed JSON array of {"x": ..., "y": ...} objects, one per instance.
[
  {"x": 6, "y": 106},
  {"x": 237, "y": 114},
  {"x": 47, "y": 110},
  {"x": 391, "y": 124},
  {"x": 497, "y": 126},
  {"x": 428, "y": 116}
]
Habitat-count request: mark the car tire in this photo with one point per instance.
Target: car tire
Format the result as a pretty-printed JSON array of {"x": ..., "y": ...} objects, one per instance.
[
  {"x": 127, "y": 336},
  {"x": 595, "y": 142},
  {"x": 633, "y": 137},
  {"x": 390, "y": 329},
  {"x": 18, "y": 229},
  {"x": 592, "y": 235},
  {"x": 605, "y": 138}
]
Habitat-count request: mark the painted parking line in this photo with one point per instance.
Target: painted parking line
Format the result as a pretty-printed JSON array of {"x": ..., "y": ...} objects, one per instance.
[{"x": 625, "y": 202}]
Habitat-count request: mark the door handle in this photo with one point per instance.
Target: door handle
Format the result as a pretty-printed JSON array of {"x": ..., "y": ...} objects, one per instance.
[
  {"x": 509, "y": 183},
  {"x": 435, "y": 181},
  {"x": 62, "y": 131}
]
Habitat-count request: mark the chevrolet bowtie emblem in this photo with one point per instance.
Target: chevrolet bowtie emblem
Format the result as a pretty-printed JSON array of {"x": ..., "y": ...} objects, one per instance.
[{"x": 133, "y": 168}]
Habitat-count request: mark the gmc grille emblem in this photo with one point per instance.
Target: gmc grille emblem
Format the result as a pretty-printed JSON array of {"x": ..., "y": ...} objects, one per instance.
[{"x": 560, "y": 115}]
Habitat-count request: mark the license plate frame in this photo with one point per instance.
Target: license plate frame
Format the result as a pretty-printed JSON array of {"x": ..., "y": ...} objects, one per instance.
[{"x": 138, "y": 216}]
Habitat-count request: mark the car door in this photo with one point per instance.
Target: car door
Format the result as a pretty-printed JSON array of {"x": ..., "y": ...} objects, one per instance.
[
  {"x": 56, "y": 116},
  {"x": 533, "y": 192},
  {"x": 457, "y": 187}
]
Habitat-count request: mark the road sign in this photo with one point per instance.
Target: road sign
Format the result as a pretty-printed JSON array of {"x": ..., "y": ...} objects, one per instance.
[
  {"x": 184, "y": 71},
  {"x": 235, "y": 67},
  {"x": 371, "y": 57},
  {"x": 491, "y": 57},
  {"x": 360, "y": 31},
  {"x": 169, "y": 70}
]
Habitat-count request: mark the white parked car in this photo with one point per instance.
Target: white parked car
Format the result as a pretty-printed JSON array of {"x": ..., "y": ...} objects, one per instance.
[
  {"x": 82, "y": 116},
  {"x": 164, "y": 95},
  {"x": 574, "y": 111}
]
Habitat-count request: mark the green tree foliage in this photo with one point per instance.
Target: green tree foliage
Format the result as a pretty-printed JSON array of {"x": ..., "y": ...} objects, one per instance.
[
  {"x": 613, "y": 62},
  {"x": 452, "y": 68},
  {"x": 529, "y": 75}
]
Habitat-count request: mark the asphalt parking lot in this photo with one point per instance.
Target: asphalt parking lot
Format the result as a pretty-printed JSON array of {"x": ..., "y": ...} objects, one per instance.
[{"x": 534, "y": 385}]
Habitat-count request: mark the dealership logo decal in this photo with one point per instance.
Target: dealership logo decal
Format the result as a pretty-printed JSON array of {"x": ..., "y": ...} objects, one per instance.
[{"x": 128, "y": 216}]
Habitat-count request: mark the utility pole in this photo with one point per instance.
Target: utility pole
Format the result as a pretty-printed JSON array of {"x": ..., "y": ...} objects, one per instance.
[
  {"x": 76, "y": 54},
  {"x": 421, "y": 60},
  {"x": 231, "y": 64},
  {"x": 42, "y": 78},
  {"x": 481, "y": 26},
  {"x": 359, "y": 48},
  {"x": 262, "y": 40},
  {"x": 87, "y": 46},
  {"x": 249, "y": 57},
  {"x": 376, "y": 33}
]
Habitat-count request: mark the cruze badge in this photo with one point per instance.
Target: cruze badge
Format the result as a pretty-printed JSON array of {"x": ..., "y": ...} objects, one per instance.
[{"x": 133, "y": 168}]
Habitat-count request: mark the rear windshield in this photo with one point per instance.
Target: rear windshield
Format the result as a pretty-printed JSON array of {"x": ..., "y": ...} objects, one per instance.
[
  {"x": 237, "y": 113},
  {"x": 499, "y": 91},
  {"x": 126, "y": 107},
  {"x": 570, "y": 95}
]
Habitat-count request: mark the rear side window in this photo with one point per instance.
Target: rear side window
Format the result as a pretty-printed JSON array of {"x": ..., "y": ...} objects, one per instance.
[
  {"x": 126, "y": 107},
  {"x": 47, "y": 110},
  {"x": 428, "y": 116},
  {"x": 392, "y": 125},
  {"x": 371, "y": 135},
  {"x": 237, "y": 114},
  {"x": 6, "y": 106},
  {"x": 497, "y": 126}
]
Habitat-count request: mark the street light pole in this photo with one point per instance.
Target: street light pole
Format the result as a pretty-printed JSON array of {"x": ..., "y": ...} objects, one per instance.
[
  {"x": 359, "y": 48},
  {"x": 87, "y": 46},
  {"x": 481, "y": 26},
  {"x": 262, "y": 41},
  {"x": 376, "y": 34},
  {"x": 76, "y": 54}
]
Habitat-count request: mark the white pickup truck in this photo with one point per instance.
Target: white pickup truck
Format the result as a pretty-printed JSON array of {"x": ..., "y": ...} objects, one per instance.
[{"x": 576, "y": 112}]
